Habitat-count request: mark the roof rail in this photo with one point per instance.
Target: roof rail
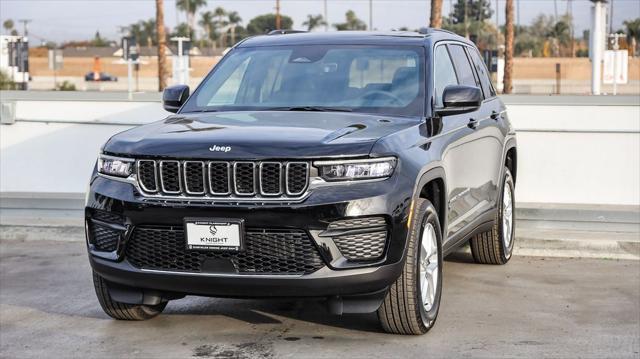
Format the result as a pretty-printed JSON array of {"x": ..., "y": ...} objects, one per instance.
[
  {"x": 285, "y": 32},
  {"x": 430, "y": 30}
]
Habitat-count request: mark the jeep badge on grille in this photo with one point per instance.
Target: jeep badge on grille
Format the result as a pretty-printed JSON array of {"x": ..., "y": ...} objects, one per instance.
[{"x": 216, "y": 148}]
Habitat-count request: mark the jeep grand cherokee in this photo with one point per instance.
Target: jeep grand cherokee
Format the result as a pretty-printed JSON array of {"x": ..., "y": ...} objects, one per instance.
[{"x": 342, "y": 166}]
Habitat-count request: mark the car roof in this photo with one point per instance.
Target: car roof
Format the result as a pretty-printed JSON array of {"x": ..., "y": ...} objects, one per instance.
[{"x": 407, "y": 38}]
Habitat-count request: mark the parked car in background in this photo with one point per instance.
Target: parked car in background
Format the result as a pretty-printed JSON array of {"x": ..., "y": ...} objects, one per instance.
[{"x": 99, "y": 76}]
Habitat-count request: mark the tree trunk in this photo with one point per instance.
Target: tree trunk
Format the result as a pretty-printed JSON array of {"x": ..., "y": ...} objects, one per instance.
[
  {"x": 508, "y": 53},
  {"x": 436, "y": 14},
  {"x": 162, "y": 43}
]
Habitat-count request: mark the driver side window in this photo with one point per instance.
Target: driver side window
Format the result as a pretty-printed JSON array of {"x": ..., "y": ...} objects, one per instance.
[{"x": 444, "y": 73}]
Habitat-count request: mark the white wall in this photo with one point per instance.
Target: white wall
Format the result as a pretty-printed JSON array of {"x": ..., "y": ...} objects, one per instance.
[
  {"x": 585, "y": 153},
  {"x": 578, "y": 154}
]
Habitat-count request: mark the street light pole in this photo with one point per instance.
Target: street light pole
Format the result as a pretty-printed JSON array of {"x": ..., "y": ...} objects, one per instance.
[
  {"x": 370, "y": 15},
  {"x": 596, "y": 45},
  {"x": 326, "y": 17}
]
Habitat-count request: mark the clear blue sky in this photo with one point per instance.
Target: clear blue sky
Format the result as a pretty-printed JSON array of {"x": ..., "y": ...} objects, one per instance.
[{"x": 62, "y": 20}]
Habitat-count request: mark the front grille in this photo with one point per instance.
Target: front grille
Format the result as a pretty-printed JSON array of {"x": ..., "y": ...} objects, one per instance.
[
  {"x": 363, "y": 246},
  {"x": 223, "y": 179},
  {"x": 266, "y": 252},
  {"x": 103, "y": 238}
]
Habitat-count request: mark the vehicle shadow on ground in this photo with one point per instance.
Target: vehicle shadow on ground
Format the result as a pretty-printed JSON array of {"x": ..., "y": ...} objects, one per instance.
[
  {"x": 272, "y": 311},
  {"x": 67, "y": 272}
]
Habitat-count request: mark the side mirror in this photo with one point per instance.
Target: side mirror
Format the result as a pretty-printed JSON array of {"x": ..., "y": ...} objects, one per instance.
[
  {"x": 459, "y": 99},
  {"x": 174, "y": 97}
]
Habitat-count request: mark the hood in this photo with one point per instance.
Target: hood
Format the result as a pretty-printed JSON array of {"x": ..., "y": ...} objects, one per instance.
[{"x": 257, "y": 135}]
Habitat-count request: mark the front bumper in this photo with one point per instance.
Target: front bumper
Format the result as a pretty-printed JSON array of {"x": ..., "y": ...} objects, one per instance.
[{"x": 388, "y": 199}]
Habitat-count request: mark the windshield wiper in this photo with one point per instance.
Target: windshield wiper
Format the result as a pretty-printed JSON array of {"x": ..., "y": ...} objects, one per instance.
[{"x": 311, "y": 108}]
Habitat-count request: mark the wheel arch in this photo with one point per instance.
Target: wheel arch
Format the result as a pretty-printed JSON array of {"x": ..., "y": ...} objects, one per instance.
[
  {"x": 431, "y": 185},
  {"x": 511, "y": 160}
]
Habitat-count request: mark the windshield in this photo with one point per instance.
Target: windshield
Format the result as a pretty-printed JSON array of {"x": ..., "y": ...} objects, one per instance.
[{"x": 384, "y": 80}]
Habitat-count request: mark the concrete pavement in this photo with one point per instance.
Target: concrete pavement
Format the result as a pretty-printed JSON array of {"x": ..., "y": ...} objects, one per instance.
[{"x": 532, "y": 307}]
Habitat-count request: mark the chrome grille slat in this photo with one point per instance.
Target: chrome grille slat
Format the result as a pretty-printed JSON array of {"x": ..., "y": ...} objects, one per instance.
[
  {"x": 297, "y": 178},
  {"x": 270, "y": 178},
  {"x": 223, "y": 179},
  {"x": 194, "y": 177},
  {"x": 148, "y": 175},
  {"x": 219, "y": 175},
  {"x": 244, "y": 178},
  {"x": 170, "y": 177}
]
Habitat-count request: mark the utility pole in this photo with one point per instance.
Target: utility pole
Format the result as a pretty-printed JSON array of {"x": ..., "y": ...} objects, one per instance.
[
  {"x": 370, "y": 15},
  {"x": 596, "y": 46},
  {"x": 611, "y": 18},
  {"x": 518, "y": 14},
  {"x": 497, "y": 24},
  {"x": 277, "y": 14},
  {"x": 25, "y": 26},
  {"x": 326, "y": 17}
]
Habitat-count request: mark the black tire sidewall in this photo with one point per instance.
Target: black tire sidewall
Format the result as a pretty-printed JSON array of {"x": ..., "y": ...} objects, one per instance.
[{"x": 429, "y": 215}]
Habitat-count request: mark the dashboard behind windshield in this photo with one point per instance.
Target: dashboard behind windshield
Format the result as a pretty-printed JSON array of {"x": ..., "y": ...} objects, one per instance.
[{"x": 385, "y": 80}]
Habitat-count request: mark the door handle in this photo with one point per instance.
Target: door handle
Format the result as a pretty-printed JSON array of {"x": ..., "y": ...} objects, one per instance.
[
  {"x": 473, "y": 123},
  {"x": 495, "y": 115}
]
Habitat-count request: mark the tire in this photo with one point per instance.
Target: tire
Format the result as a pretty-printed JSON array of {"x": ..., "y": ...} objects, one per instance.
[
  {"x": 402, "y": 311},
  {"x": 493, "y": 247},
  {"x": 123, "y": 311}
]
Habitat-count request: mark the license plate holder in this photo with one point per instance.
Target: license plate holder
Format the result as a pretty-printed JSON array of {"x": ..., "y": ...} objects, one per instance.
[{"x": 214, "y": 234}]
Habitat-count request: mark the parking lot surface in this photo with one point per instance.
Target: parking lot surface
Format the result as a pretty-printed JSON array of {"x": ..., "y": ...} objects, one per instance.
[{"x": 533, "y": 307}]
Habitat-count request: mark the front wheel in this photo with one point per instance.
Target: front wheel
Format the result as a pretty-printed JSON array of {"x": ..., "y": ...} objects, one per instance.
[
  {"x": 123, "y": 311},
  {"x": 412, "y": 303},
  {"x": 496, "y": 245}
]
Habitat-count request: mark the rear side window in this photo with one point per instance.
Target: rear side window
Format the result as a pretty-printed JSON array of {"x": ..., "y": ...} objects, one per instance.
[
  {"x": 481, "y": 69},
  {"x": 463, "y": 67},
  {"x": 444, "y": 73}
]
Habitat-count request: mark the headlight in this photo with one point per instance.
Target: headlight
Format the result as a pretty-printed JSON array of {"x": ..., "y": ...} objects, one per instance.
[
  {"x": 356, "y": 169},
  {"x": 115, "y": 166}
]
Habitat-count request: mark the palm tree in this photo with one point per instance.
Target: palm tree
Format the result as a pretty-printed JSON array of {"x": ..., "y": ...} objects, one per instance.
[
  {"x": 206, "y": 21},
  {"x": 234, "y": 20},
  {"x": 633, "y": 34},
  {"x": 148, "y": 31},
  {"x": 190, "y": 7},
  {"x": 313, "y": 22},
  {"x": 220, "y": 22},
  {"x": 436, "y": 14},
  {"x": 352, "y": 23},
  {"x": 8, "y": 25},
  {"x": 162, "y": 41},
  {"x": 508, "y": 52}
]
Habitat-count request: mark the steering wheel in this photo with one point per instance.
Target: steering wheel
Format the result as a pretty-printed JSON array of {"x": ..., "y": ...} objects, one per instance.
[{"x": 371, "y": 95}]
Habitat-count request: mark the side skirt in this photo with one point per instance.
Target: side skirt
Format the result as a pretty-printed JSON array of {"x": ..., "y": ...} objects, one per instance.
[{"x": 483, "y": 223}]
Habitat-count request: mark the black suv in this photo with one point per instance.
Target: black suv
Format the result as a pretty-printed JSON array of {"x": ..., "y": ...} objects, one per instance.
[{"x": 341, "y": 166}]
